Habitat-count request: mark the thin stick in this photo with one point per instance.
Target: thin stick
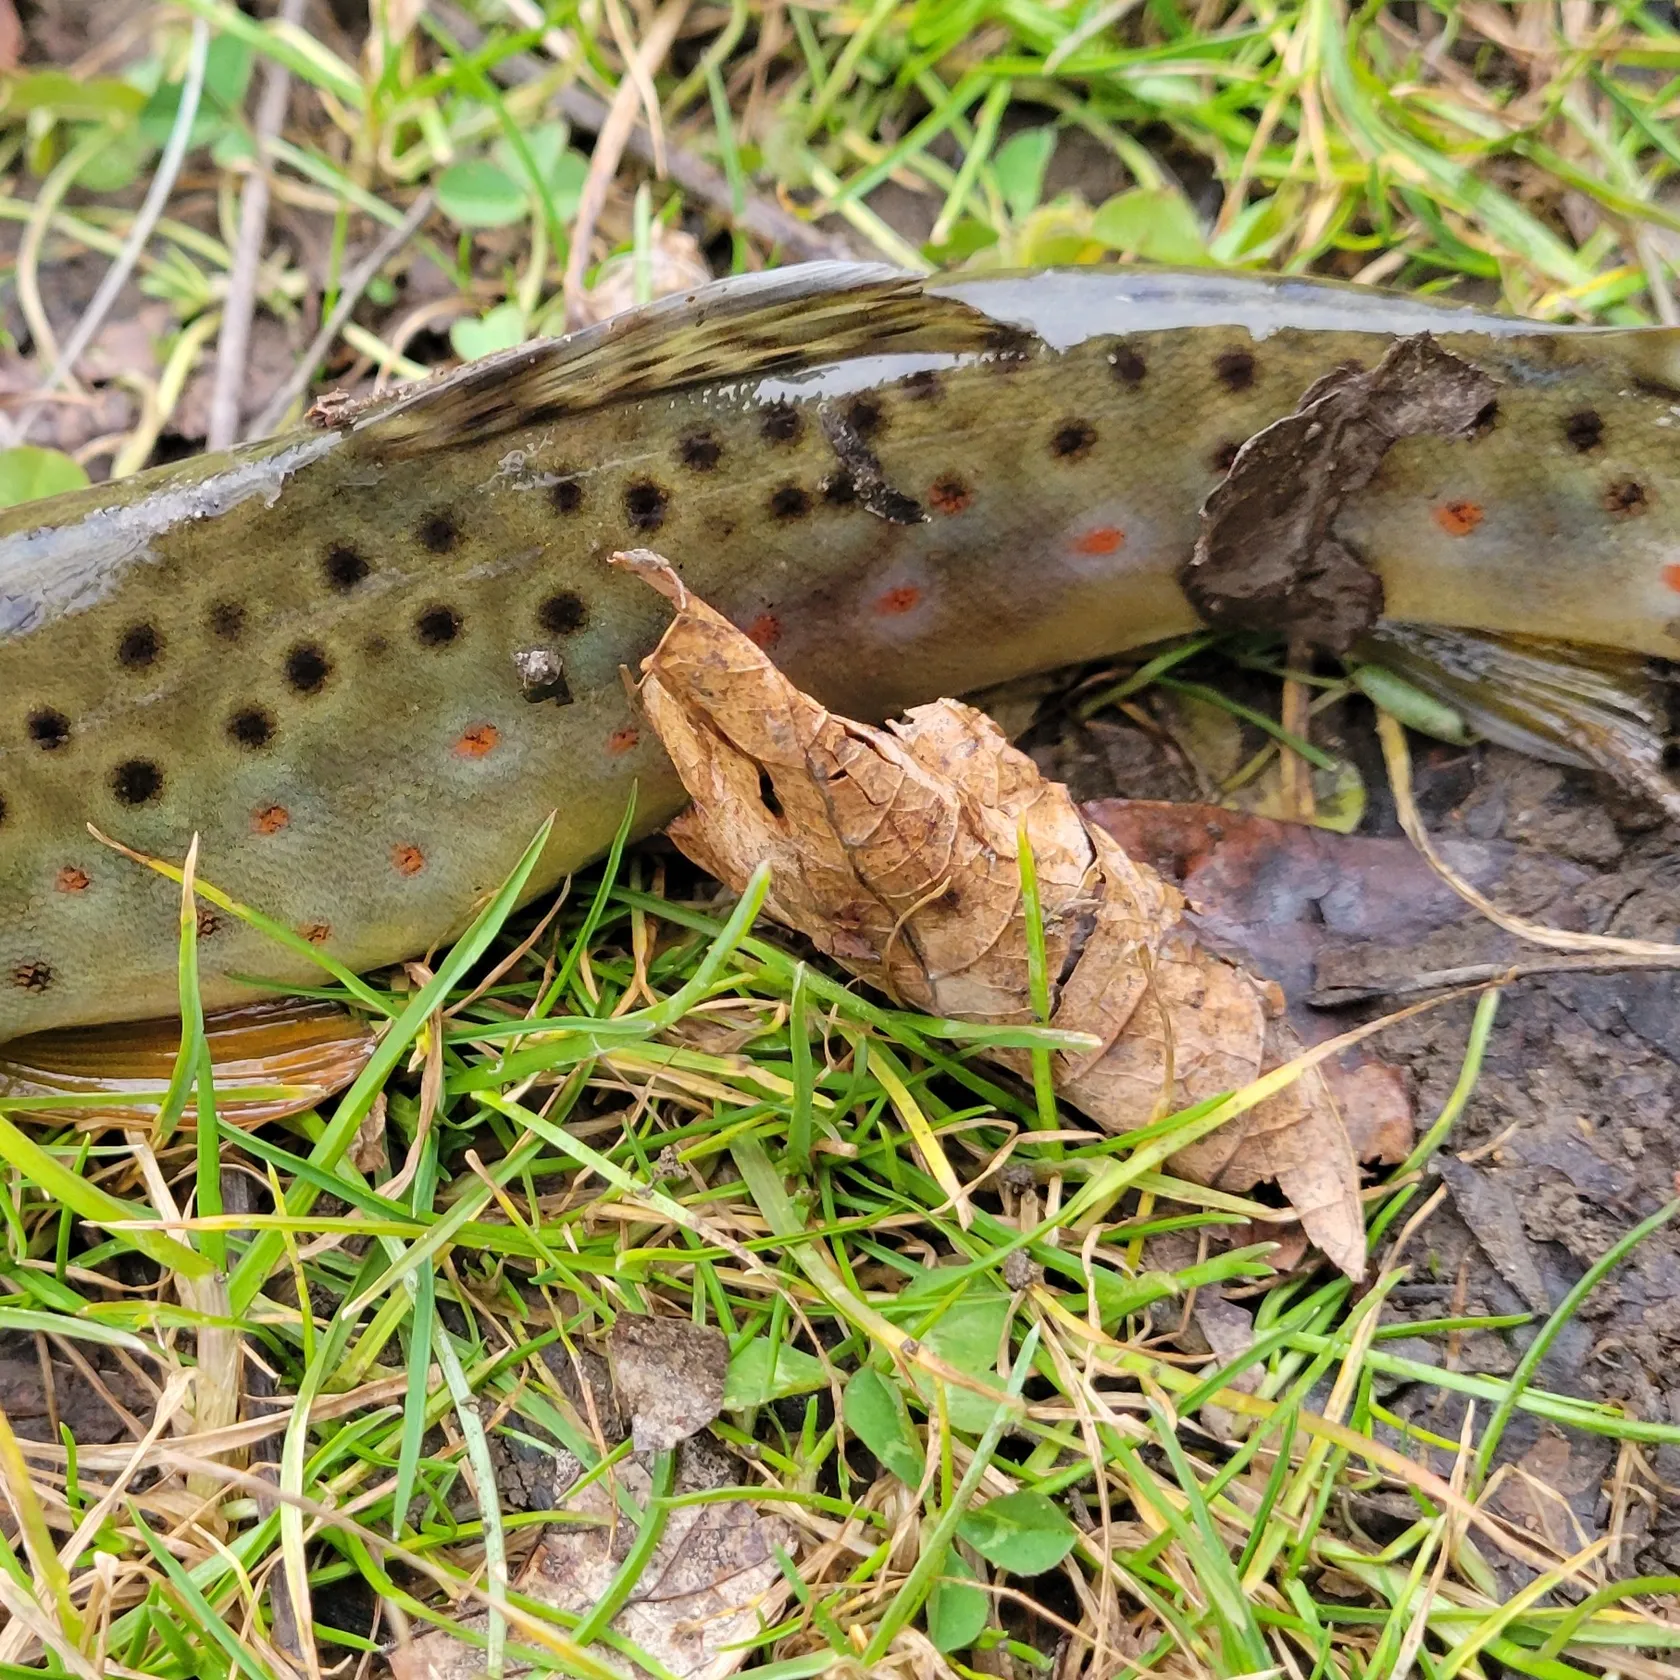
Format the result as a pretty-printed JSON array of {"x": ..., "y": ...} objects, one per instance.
[
  {"x": 1334, "y": 996},
  {"x": 609, "y": 147},
  {"x": 757, "y": 215},
  {"x": 354, "y": 286},
  {"x": 234, "y": 345}
]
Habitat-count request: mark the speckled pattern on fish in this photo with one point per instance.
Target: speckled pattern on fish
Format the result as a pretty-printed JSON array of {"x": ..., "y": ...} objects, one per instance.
[{"x": 364, "y": 663}]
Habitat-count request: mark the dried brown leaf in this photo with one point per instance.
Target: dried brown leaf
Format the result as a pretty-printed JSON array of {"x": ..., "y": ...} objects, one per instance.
[
  {"x": 896, "y": 851},
  {"x": 669, "y": 1374}
]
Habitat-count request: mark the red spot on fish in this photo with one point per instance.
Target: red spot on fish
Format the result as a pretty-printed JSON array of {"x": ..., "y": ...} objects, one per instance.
[
  {"x": 71, "y": 879},
  {"x": 622, "y": 741},
  {"x": 1459, "y": 519},
  {"x": 766, "y": 630},
  {"x": 949, "y": 495},
  {"x": 317, "y": 933},
  {"x": 269, "y": 819},
  {"x": 1105, "y": 539},
  {"x": 479, "y": 741},
  {"x": 1671, "y": 576},
  {"x": 905, "y": 598},
  {"x": 410, "y": 860}
]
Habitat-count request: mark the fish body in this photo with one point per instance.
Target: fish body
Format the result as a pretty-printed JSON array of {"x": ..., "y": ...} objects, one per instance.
[{"x": 364, "y": 662}]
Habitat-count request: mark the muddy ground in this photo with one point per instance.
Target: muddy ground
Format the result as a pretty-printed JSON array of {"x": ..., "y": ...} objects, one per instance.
[{"x": 1569, "y": 1138}]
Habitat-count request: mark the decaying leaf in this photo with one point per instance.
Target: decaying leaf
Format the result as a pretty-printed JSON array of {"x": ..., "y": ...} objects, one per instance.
[
  {"x": 711, "y": 1583},
  {"x": 669, "y": 1374},
  {"x": 896, "y": 851},
  {"x": 1267, "y": 558}
]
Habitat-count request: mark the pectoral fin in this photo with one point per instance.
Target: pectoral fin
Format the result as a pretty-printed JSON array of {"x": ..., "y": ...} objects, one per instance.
[
  {"x": 271, "y": 1059},
  {"x": 1598, "y": 708}
]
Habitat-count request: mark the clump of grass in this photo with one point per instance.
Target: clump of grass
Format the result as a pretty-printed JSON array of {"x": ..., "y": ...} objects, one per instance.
[{"x": 991, "y": 1447}]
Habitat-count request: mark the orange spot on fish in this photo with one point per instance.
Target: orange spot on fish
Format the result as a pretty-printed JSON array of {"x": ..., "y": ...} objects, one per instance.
[
  {"x": 1104, "y": 539},
  {"x": 479, "y": 741},
  {"x": 1671, "y": 576},
  {"x": 410, "y": 860},
  {"x": 71, "y": 879},
  {"x": 622, "y": 741},
  {"x": 269, "y": 819},
  {"x": 317, "y": 933},
  {"x": 766, "y": 630},
  {"x": 1459, "y": 519},
  {"x": 949, "y": 495},
  {"x": 905, "y": 598}
]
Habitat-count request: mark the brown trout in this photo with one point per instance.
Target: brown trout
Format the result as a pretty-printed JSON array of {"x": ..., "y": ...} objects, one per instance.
[{"x": 363, "y": 662}]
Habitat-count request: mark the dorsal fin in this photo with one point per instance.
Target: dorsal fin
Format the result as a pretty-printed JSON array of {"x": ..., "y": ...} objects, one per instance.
[{"x": 752, "y": 324}]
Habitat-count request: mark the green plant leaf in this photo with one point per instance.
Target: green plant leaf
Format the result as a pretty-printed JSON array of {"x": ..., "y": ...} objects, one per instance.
[
  {"x": 95, "y": 99},
  {"x": 956, "y": 1611},
  {"x": 500, "y": 329},
  {"x": 28, "y": 473},
  {"x": 1022, "y": 1532},
  {"x": 754, "y": 1378},
  {"x": 563, "y": 170},
  {"x": 1018, "y": 167},
  {"x": 118, "y": 164},
  {"x": 477, "y": 193},
  {"x": 967, "y": 1335},
  {"x": 875, "y": 1412},
  {"x": 1153, "y": 223}
]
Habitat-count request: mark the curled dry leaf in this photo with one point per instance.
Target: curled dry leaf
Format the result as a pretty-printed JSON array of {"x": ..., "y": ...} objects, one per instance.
[{"x": 896, "y": 851}]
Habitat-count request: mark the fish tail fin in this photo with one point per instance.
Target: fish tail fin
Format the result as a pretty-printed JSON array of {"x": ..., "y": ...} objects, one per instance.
[
  {"x": 1597, "y": 708},
  {"x": 270, "y": 1059},
  {"x": 749, "y": 326}
]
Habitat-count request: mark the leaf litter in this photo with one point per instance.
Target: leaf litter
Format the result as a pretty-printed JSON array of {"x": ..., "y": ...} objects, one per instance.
[{"x": 898, "y": 853}]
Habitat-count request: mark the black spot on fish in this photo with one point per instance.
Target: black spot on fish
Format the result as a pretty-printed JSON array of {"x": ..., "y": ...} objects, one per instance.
[
  {"x": 137, "y": 781},
  {"x": 139, "y": 647},
  {"x": 866, "y": 417},
  {"x": 438, "y": 532},
  {"x": 1224, "y": 455},
  {"x": 700, "y": 452},
  {"x": 1074, "y": 440},
  {"x": 32, "y": 976},
  {"x": 922, "y": 385},
  {"x": 1652, "y": 387},
  {"x": 839, "y": 489},
  {"x": 437, "y": 626},
  {"x": 1487, "y": 417},
  {"x": 252, "y": 728},
  {"x": 1235, "y": 369},
  {"x": 1129, "y": 367},
  {"x": 563, "y": 613},
  {"x": 790, "y": 502},
  {"x": 644, "y": 505},
  {"x": 782, "y": 423},
  {"x": 227, "y": 619},
  {"x": 49, "y": 730},
  {"x": 307, "y": 669},
  {"x": 1625, "y": 499},
  {"x": 1584, "y": 430},
  {"x": 2, "y": 810},
  {"x": 566, "y": 495},
  {"x": 345, "y": 568}
]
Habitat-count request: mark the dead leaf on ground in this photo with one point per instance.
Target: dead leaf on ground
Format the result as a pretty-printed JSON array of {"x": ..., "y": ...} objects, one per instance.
[
  {"x": 896, "y": 852},
  {"x": 669, "y": 1374},
  {"x": 675, "y": 264},
  {"x": 711, "y": 1583},
  {"x": 1266, "y": 558}
]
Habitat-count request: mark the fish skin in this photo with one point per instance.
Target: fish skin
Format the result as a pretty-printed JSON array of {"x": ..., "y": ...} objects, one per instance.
[{"x": 363, "y": 663}]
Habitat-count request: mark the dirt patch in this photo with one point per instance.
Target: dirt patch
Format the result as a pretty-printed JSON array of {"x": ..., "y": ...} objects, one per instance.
[{"x": 1568, "y": 1139}]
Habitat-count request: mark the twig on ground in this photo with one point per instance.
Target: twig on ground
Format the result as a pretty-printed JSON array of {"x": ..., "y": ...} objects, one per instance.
[
  {"x": 355, "y": 284},
  {"x": 759, "y": 216},
  {"x": 233, "y": 345},
  {"x": 1334, "y": 996}
]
